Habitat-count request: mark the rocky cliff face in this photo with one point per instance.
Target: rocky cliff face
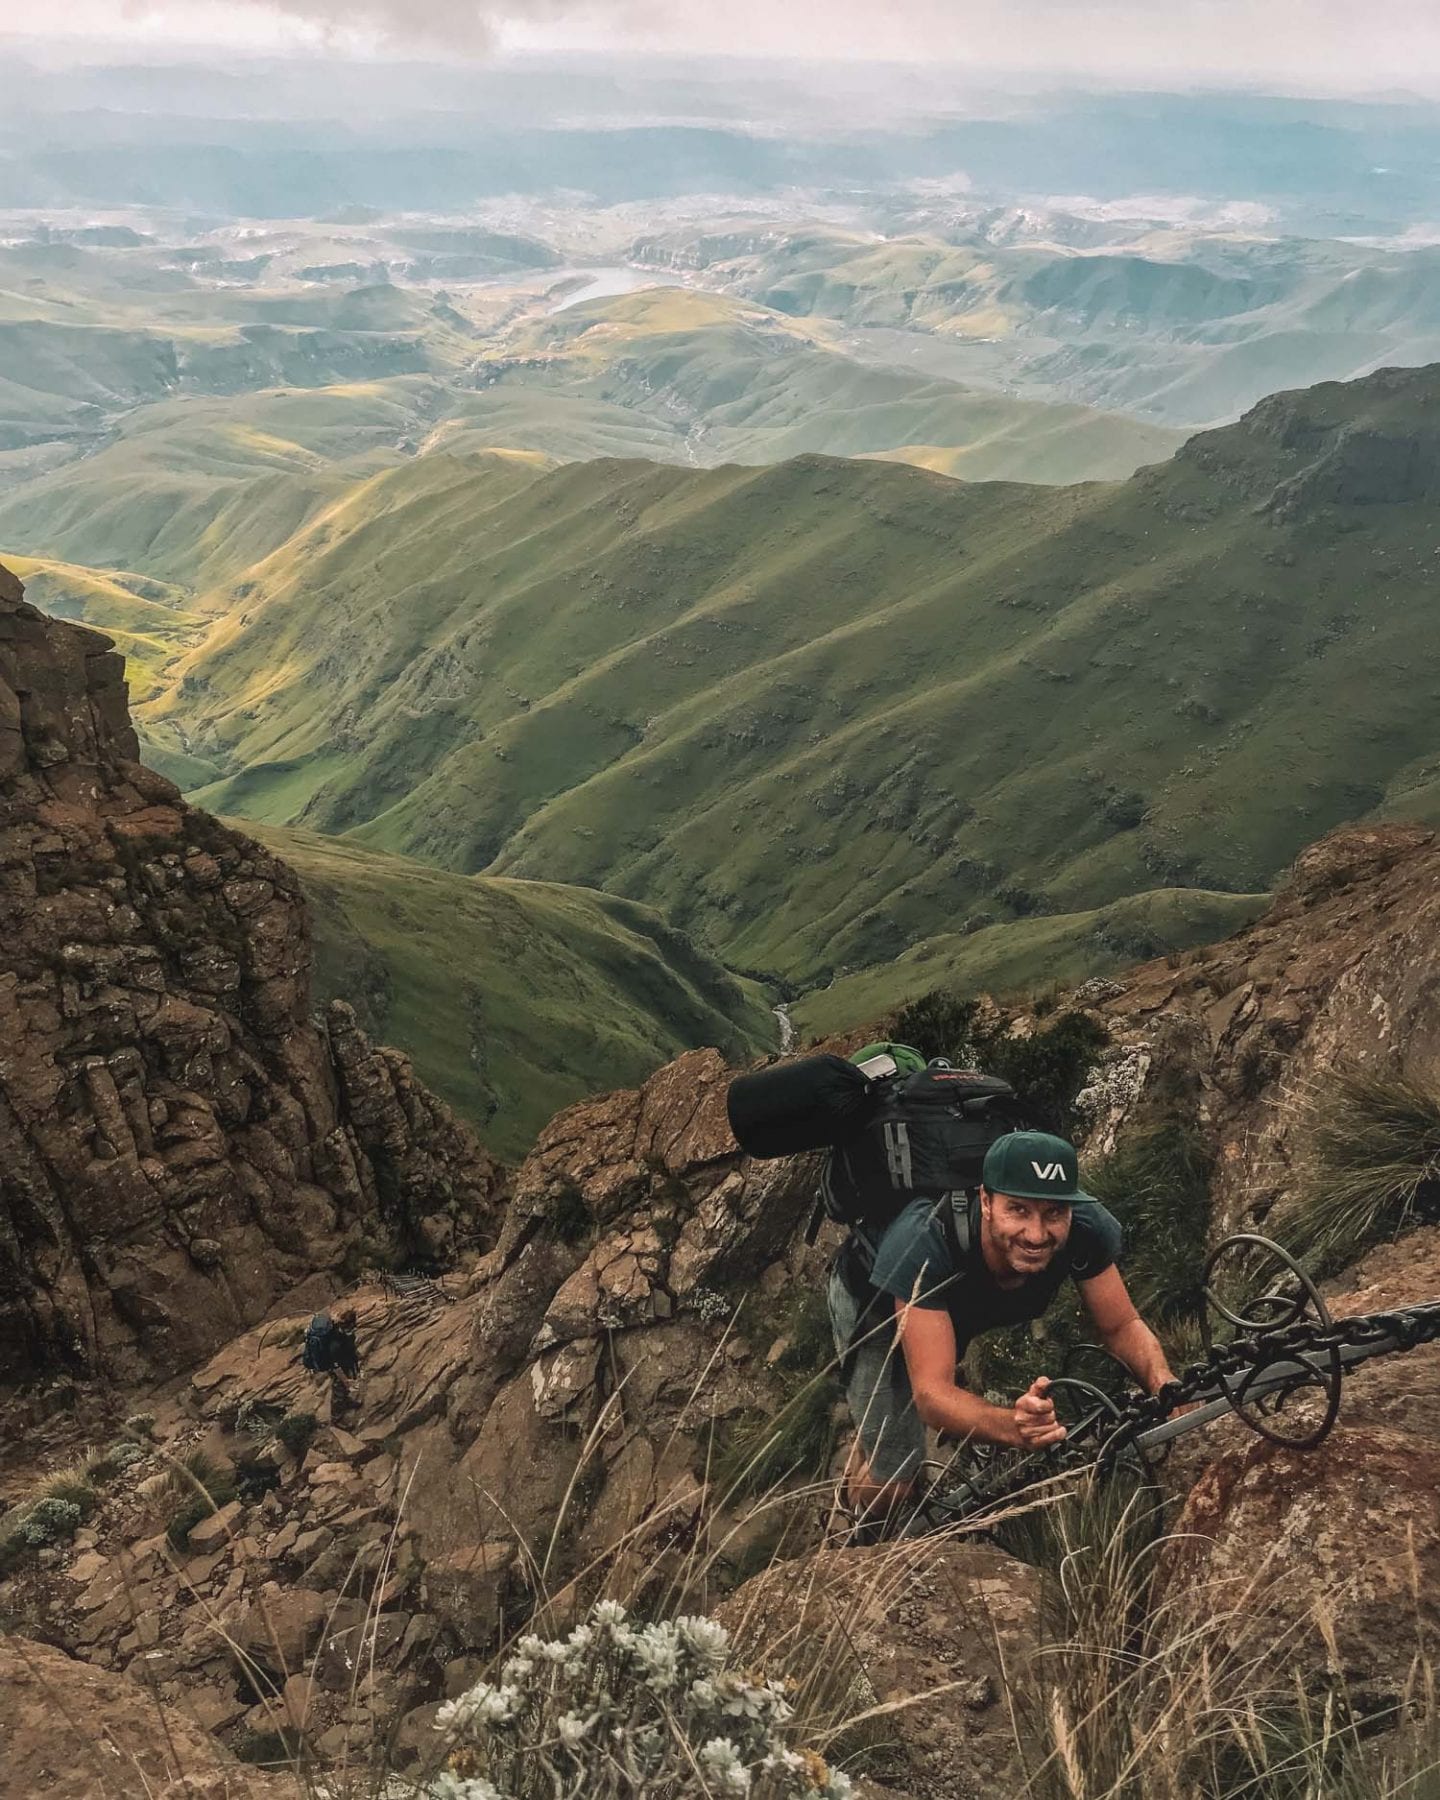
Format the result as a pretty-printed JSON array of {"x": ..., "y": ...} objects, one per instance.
[
  {"x": 1298, "y": 454},
  {"x": 180, "y": 1144},
  {"x": 1236, "y": 1037},
  {"x": 565, "y": 1402}
]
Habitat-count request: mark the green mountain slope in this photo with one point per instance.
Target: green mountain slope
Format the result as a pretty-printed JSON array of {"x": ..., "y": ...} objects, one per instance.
[
  {"x": 515, "y": 998},
  {"x": 1026, "y": 956},
  {"x": 194, "y": 489},
  {"x": 822, "y": 711}
]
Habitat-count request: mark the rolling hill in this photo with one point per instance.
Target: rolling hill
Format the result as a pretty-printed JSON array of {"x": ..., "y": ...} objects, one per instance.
[
  {"x": 514, "y": 998},
  {"x": 193, "y": 490},
  {"x": 160, "y": 432},
  {"x": 724, "y": 380},
  {"x": 89, "y": 334},
  {"x": 820, "y": 712},
  {"x": 1179, "y": 328}
]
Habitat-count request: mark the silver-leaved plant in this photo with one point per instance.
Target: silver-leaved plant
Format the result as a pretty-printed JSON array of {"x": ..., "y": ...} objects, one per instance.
[{"x": 626, "y": 1711}]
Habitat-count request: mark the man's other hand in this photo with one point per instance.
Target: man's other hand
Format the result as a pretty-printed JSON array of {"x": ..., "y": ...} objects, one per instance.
[{"x": 1035, "y": 1420}]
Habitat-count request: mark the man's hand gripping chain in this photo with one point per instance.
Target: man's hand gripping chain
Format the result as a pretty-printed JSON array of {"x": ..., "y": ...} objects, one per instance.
[{"x": 1284, "y": 1344}]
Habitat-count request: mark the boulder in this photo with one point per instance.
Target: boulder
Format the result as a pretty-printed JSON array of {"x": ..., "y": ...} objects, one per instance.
[
  {"x": 468, "y": 1587},
  {"x": 213, "y": 1708},
  {"x": 417, "y": 1741},
  {"x": 345, "y": 1656},
  {"x": 211, "y": 1533},
  {"x": 1324, "y": 1564},
  {"x": 76, "y": 1730},
  {"x": 297, "y": 1700},
  {"x": 960, "y": 1622},
  {"x": 309, "y": 1544},
  {"x": 87, "y": 1566},
  {"x": 461, "y": 1674},
  {"x": 281, "y": 1628}
]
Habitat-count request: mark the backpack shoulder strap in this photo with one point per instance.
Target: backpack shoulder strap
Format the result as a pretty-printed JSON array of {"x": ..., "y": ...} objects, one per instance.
[{"x": 955, "y": 1222}]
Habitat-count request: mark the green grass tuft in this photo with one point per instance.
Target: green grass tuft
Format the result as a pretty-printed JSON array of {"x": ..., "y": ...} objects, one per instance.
[
  {"x": 296, "y": 1430},
  {"x": 755, "y": 1454},
  {"x": 204, "y": 1486},
  {"x": 1157, "y": 1183},
  {"x": 1369, "y": 1162}
]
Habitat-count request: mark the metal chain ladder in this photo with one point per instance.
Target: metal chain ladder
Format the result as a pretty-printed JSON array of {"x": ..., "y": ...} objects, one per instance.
[{"x": 1285, "y": 1343}]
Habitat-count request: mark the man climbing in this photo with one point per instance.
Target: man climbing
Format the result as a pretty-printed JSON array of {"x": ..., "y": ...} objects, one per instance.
[
  {"x": 330, "y": 1349},
  {"x": 945, "y": 1271}
]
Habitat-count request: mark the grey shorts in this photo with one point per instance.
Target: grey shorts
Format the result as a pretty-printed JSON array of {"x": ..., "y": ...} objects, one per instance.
[{"x": 877, "y": 1387}]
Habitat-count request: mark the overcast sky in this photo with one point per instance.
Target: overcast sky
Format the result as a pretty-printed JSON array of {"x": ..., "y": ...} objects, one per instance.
[{"x": 1335, "y": 44}]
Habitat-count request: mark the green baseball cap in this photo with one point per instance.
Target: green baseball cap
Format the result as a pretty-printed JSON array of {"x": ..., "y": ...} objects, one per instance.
[{"x": 1032, "y": 1165}]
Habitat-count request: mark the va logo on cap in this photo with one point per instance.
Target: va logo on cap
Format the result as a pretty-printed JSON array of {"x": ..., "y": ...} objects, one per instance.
[{"x": 1049, "y": 1171}]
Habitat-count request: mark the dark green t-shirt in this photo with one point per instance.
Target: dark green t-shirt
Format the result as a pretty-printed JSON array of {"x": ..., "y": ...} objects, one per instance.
[{"x": 915, "y": 1261}]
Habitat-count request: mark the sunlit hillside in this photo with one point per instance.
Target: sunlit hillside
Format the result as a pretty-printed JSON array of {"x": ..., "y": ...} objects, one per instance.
[{"x": 821, "y": 711}]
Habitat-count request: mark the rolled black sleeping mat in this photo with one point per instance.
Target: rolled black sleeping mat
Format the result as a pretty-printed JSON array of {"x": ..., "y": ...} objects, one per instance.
[{"x": 808, "y": 1103}]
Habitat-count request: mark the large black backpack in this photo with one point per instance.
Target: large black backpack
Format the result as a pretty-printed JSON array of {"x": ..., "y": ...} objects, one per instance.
[
  {"x": 926, "y": 1137},
  {"x": 318, "y": 1354}
]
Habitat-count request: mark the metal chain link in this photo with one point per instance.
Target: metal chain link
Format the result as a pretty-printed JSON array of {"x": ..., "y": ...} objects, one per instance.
[{"x": 1232, "y": 1374}]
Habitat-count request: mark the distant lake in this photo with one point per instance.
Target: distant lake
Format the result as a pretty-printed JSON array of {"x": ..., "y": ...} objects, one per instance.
[{"x": 600, "y": 284}]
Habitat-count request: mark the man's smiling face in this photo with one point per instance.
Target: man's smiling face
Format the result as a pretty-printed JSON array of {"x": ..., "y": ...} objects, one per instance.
[{"x": 1021, "y": 1237}]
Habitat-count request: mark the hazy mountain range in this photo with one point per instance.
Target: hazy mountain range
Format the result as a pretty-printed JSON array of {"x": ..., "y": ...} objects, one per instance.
[{"x": 294, "y": 139}]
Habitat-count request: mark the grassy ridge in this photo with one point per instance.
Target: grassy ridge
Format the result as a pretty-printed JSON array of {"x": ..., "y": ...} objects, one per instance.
[
  {"x": 194, "y": 490},
  {"x": 193, "y": 487},
  {"x": 1027, "y": 956},
  {"x": 513, "y": 997},
  {"x": 735, "y": 382}
]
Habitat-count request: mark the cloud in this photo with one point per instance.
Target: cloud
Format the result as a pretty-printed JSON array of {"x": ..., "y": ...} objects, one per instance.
[
  {"x": 470, "y": 27},
  {"x": 1340, "y": 42}
]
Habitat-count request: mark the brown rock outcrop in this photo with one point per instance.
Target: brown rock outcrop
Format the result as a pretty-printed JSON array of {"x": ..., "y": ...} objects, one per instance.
[
  {"x": 180, "y": 1144},
  {"x": 77, "y": 1730},
  {"x": 1326, "y": 1563},
  {"x": 952, "y": 1627},
  {"x": 1344, "y": 970},
  {"x": 601, "y": 1346},
  {"x": 564, "y": 1403}
]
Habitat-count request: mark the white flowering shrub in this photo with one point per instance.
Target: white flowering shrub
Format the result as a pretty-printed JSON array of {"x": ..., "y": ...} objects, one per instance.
[
  {"x": 708, "y": 1306},
  {"x": 124, "y": 1454},
  {"x": 48, "y": 1521},
  {"x": 617, "y": 1708}
]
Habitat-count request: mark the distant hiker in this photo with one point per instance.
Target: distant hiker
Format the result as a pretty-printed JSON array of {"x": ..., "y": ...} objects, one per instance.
[
  {"x": 948, "y": 1268},
  {"x": 330, "y": 1349}
]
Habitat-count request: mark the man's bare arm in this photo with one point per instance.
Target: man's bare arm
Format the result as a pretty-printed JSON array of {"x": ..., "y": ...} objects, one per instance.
[
  {"x": 928, "y": 1340},
  {"x": 1123, "y": 1332}
]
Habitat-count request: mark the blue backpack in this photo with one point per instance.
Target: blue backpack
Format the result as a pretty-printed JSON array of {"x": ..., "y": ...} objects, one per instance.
[{"x": 317, "y": 1354}]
